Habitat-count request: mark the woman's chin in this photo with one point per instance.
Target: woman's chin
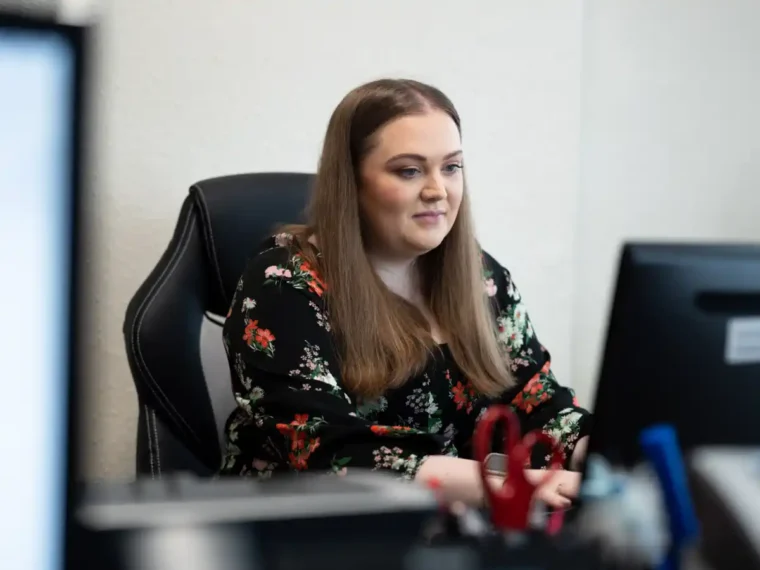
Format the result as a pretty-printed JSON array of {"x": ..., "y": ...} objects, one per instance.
[
  {"x": 423, "y": 246},
  {"x": 423, "y": 240}
]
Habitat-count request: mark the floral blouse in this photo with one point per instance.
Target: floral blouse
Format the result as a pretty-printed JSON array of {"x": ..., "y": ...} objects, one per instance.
[{"x": 293, "y": 413}]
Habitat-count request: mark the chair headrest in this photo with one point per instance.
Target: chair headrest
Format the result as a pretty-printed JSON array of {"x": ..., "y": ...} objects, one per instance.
[{"x": 237, "y": 213}]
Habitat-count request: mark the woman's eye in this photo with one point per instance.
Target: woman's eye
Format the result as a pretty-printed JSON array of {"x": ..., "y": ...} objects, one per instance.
[
  {"x": 452, "y": 168},
  {"x": 408, "y": 172}
]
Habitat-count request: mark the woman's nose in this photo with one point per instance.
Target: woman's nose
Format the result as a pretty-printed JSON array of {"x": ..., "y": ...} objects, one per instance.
[{"x": 434, "y": 190}]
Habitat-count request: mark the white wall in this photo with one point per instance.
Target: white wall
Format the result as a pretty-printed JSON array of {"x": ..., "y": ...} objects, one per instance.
[
  {"x": 586, "y": 123},
  {"x": 670, "y": 139},
  {"x": 188, "y": 89}
]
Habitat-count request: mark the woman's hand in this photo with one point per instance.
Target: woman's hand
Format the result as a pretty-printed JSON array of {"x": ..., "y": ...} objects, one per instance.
[
  {"x": 460, "y": 480},
  {"x": 558, "y": 490}
]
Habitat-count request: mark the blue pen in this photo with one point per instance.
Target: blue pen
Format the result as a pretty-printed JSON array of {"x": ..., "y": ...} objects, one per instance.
[{"x": 660, "y": 445}]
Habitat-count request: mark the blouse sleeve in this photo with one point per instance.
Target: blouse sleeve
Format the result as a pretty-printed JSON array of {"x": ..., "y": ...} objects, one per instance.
[
  {"x": 540, "y": 402},
  {"x": 293, "y": 413}
]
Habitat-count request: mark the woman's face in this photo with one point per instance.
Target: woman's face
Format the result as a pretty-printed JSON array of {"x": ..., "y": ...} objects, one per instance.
[{"x": 411, "y": 185}]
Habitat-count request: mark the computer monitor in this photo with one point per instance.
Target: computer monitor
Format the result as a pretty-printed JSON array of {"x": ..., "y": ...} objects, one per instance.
[
  {"x": 683, "y": 347},
  {"x": 40, "y": 98}
]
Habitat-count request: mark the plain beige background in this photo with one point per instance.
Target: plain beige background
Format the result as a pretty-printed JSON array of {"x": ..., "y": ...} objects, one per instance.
[{"x": 584, "y": 123}]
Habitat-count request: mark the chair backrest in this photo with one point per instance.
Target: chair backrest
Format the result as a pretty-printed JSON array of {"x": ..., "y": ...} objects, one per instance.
[{"x": 173, "y": 323}]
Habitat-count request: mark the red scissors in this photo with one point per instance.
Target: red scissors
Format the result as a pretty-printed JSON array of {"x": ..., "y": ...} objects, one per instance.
[{"x": 511, "y": 503}]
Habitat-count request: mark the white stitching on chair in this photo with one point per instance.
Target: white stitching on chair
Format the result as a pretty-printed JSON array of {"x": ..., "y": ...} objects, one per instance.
[
  {"x": 149, "y": 298},
  {"x": 149, "y": 435},
  {"x": 158, "y": 447},
  {"x": 212, "y": 252}
]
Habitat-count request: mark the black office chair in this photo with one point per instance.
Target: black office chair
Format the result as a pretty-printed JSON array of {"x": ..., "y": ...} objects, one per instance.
[{"x": 173, "y": 323}]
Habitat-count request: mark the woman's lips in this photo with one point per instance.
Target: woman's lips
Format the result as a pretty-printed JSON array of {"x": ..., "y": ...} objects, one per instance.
[{"x": 429, "y": 218}]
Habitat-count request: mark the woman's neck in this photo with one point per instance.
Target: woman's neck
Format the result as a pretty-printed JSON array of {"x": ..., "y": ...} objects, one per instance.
[
  {"x": 399, "y": 275},
  {"x": 403, "y": 279}
]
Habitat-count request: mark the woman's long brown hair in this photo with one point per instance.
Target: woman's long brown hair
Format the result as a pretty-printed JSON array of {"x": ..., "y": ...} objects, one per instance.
[{"x": 383, "y": 340}]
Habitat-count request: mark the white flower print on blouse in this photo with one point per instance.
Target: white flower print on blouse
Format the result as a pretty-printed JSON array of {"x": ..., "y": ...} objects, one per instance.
[
  {"x": 314, "y": 367},
  {"x": 369, "y": 409},
  {"x": 240, "y": 372},
  {"x": 564, "y": 427},
  {"x": 422, "y": 402},
  {"x": 322, "y": 319},
  {"x": 387, "y": 458},
  {"x": 283, "y": 239}
]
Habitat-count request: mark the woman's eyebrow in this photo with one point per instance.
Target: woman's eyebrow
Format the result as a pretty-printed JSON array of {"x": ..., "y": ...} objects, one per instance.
[{"x": 420, "y": 158}]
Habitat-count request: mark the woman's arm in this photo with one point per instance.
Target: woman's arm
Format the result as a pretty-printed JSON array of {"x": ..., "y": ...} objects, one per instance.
[
  {"x": 539, "y": 400},
  {"x": 459, "y": 478}
]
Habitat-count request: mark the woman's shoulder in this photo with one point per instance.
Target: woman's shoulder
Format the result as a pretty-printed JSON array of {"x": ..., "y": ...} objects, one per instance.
[
  {"x": 496, "y": 277},
  {"x": 490, "y": 263},
  {"x": 276, "y": 247},
  {"x": 279, "y": 260}
]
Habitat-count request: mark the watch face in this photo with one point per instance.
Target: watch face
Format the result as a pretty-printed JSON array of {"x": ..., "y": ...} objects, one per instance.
[{"x": 496, "y": 464}]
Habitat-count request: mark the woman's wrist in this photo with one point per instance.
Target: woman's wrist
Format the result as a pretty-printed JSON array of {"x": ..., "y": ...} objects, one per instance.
[{"x": 456, "y": 479}]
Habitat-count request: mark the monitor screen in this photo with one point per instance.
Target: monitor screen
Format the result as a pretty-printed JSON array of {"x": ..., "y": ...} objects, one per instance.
[{"x": 37, "y": 89}]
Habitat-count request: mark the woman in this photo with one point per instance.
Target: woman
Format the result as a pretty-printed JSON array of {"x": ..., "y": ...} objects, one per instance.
[{"x": 376, "y": 335}]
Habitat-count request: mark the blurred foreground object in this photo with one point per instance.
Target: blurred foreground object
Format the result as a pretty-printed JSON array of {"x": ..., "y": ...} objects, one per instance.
[
  {"x": 70, "y": 12},
  {"x": 661, "y": 447},
  {"x": 30, "y": 8},
  {"x": 623, "y": 511},
  {"x": 511, "y": 503},
  {"x": 41, "y": 141},
  {"x": 645, "y": 518},
  {"x": 78, "y": 12},
  {"x": 726, "y": 484},
  {"x": 363, "y": 520}
]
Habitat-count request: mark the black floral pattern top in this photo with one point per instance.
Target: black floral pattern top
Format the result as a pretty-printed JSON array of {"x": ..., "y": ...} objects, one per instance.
[{"x": 293, "y": 413}]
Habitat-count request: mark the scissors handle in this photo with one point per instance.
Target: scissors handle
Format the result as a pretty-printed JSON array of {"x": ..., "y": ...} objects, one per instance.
[{"x": 510, "y": 503}]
